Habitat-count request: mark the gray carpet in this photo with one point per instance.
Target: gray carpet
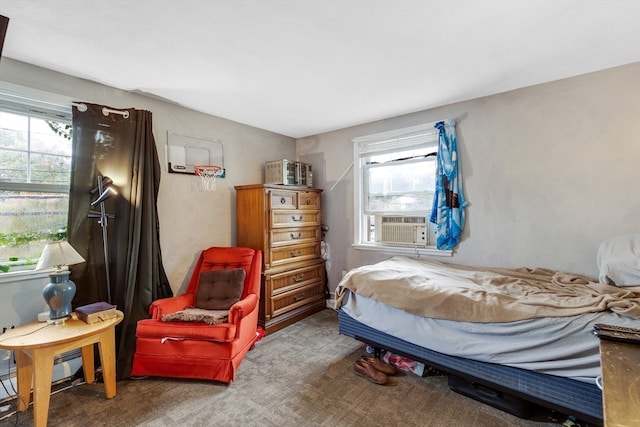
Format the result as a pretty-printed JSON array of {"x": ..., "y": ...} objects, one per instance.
[{"x": 299, "y": 376}]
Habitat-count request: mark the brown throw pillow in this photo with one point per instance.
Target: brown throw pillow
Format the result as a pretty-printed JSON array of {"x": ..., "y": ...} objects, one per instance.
[{"x": 220, "y": 289}]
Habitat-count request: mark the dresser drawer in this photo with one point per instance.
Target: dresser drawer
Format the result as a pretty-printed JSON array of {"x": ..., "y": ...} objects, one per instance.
[
  {"x": 296, "y": 298},
  {"x": 285, "y": 282},
  {"x": 294, "y": 218},
  {"x": 283, "y": 199},
  {"x": 295, "y": 253},
  {"x": 308, "y": 200},
  {"x": 291, "y": 236}
]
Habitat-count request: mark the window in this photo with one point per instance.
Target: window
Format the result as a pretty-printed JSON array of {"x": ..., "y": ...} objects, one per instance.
[
  {"x": 395, "y": 175},
  {"x": 35, "y": 171}
]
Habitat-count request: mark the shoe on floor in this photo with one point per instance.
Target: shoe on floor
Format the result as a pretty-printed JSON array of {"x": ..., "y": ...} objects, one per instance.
[
  {"x": 380, "y": 365},
  {"x": 366, "y": 370}
]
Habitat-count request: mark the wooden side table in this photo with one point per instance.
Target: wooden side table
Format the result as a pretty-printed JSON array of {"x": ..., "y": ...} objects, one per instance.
[
  {"x": 621, "y": 383},
  {"x": 36, "y": 344}
]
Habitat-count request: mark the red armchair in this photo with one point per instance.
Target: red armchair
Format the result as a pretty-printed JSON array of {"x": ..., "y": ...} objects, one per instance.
[{"x": 200, "y": 350}]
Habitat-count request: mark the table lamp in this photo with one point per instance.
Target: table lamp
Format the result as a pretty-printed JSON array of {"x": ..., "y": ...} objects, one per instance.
[{"x": 59, "y": 292}]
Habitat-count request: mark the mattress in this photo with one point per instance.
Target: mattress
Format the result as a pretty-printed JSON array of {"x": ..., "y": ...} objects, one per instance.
[{"x": 562, "y": 346}]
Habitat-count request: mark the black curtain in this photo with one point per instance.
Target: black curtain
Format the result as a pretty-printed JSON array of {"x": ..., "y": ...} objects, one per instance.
[{"x": 121, "y": 147}]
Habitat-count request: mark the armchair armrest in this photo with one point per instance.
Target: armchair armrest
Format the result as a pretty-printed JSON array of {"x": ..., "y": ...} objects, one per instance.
[
  {"x": 160, "y": 307},
  {"x": 243, "y": 308}
]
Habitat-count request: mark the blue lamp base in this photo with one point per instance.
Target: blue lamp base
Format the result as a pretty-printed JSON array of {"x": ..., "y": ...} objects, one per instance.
[{"x": 58, "y": 294}]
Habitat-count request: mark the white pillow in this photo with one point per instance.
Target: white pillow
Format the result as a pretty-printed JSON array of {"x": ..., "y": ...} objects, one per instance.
[{"x": 619, "y": 260}]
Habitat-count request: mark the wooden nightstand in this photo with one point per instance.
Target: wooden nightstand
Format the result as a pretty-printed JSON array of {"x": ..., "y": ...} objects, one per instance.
[{"x": 621, "y": 383}]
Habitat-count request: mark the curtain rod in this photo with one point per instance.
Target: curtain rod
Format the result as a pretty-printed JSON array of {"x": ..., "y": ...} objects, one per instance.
[{"x": 83, "y": 107}]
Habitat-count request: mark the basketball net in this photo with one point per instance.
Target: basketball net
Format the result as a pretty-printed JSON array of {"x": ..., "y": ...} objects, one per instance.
[{"x": 208, "y": 175}]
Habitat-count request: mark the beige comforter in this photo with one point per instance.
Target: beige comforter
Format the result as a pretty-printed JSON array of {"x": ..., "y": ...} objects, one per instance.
[{"x": 471, "y": 294}]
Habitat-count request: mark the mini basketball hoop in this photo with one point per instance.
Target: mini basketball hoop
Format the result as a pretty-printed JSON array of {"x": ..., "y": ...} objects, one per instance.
[{"x": 208, "y": 175}]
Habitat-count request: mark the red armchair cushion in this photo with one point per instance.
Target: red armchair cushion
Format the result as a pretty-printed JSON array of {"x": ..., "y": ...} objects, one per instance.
[
  {"x": 220, "y": 289},
  {"x": 152, "y": 328}
]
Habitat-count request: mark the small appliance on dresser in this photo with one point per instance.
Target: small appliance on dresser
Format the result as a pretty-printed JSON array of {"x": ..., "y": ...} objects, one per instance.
[{"x": 285, "y": 223}]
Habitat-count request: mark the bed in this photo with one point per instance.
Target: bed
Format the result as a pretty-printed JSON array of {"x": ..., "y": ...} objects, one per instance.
[{"x": 523, "y": 332}]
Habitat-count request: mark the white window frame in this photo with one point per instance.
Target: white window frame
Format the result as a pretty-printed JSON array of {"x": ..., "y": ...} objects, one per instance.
[
  {"x": 35, "y": 103},
  {"x": 397, "y": 138}
]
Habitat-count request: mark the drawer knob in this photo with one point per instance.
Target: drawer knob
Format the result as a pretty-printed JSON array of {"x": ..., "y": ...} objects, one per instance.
[
  {"x": 296, "y": 219},
  {"x": 298, "y": 278},
  {"x": 283, "y": 200},
  {"x": 298, "y": 297},
  {"x": 308, "y": 201},
  {"x": 295, "y": 254},
  {"x": 296, "y": 236}
]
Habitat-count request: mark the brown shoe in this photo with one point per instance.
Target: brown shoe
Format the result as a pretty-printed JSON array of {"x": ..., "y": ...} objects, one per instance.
[
  {"x": 367, "y": 371},
  {"x": 380, "y": 365}
]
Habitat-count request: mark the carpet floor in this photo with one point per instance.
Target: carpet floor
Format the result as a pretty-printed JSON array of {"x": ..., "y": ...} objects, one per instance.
[{"x": 301, "y": 375}]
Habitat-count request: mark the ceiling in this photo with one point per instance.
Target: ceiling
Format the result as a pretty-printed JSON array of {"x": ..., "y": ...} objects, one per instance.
[{"x": 300, "y": 68}]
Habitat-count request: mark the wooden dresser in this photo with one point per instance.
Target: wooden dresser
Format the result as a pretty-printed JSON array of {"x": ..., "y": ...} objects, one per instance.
[
  {"x": 621, "y": 383},
  {"x": 285, "y": 223}
]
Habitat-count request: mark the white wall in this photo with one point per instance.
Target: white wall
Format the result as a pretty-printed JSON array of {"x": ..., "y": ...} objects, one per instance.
[
  {"x": 550, "y": 171},
  {"x": 190, "y": 220}
]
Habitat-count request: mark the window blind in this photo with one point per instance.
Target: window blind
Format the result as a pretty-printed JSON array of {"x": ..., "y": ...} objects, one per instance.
[
  {"x": 33, "y": 102},
  {"x": 416, "y": 136}
]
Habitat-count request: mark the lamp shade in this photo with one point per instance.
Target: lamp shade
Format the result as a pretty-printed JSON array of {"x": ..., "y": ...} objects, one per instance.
[
  {"x": 108, "y": 193},
  {"x": 58, "y": 254},
  {"x": 103, "y": 182}
]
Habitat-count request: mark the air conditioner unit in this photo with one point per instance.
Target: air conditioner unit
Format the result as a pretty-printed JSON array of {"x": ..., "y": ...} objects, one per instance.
[{"x": 403, "y": 230}]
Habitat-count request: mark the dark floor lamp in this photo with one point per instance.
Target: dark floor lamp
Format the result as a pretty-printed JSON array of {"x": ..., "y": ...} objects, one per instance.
[{"x": 105, "y": 191}]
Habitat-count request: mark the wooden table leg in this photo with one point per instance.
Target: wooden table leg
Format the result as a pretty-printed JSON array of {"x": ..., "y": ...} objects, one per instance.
[
  {"x": 24, "y": 372},
  {"x": 87, "y": 364},
  {"x": 42, "y": 375},
  {"x": 107, "y": 345}
]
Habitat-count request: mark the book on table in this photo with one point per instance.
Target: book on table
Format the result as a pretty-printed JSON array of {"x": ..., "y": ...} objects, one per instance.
[{"x": 96, "y": 312}]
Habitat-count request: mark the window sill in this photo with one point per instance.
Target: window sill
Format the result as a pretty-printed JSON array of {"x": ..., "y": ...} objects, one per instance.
[
  {"x": 404, "y": 250},
  {"x": 18, "y": 276}
]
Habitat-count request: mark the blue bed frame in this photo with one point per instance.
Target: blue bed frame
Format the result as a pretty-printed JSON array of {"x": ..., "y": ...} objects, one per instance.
[{"x": 567, "y": 396}]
